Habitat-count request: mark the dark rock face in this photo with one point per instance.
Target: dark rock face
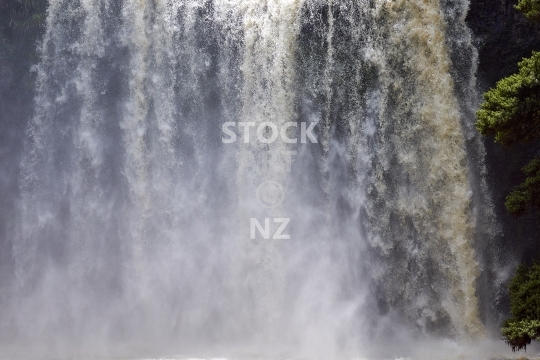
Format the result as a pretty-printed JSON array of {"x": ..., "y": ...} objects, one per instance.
[
  {"x": 18, "y": 52},
  {"x": 503, "y": 36}
]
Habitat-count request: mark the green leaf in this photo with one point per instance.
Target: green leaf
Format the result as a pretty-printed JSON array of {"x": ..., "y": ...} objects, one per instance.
[
  {"x": 526, "y": 196},
  {"x": 524, "y": 291},
  {"x": 530, "y": 8},
  {"x": 519, "y": 333},
  {"x": 511, "y": 111}
]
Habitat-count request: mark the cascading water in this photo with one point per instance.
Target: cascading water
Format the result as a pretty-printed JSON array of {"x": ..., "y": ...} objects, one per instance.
[{"x": 172, "y": 138}]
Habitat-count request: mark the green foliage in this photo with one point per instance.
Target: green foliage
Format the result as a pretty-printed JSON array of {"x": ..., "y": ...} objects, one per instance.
[
  {"x": 511, "y": 110},
  {"x": 524, "y": 325},
  {"x": 531, "y": 8},
  {"x": 519, "y": 334},
  {"x": 511, "y": 113},
  {"x": 526, "y": 196},
  {"x": 525, "y": 293}
]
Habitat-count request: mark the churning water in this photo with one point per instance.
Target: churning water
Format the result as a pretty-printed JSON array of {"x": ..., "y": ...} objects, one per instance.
[{"x": 287, "y": 178}]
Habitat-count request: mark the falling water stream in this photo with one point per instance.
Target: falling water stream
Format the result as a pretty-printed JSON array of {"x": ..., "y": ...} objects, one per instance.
[{"x": 251, "y": 178}]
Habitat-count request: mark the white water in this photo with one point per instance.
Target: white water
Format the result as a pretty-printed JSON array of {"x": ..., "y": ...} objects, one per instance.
[{"x": 134, "y": 227}]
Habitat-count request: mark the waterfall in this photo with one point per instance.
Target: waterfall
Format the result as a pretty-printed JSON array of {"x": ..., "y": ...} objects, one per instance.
[{"x": 249, "y": 177}]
